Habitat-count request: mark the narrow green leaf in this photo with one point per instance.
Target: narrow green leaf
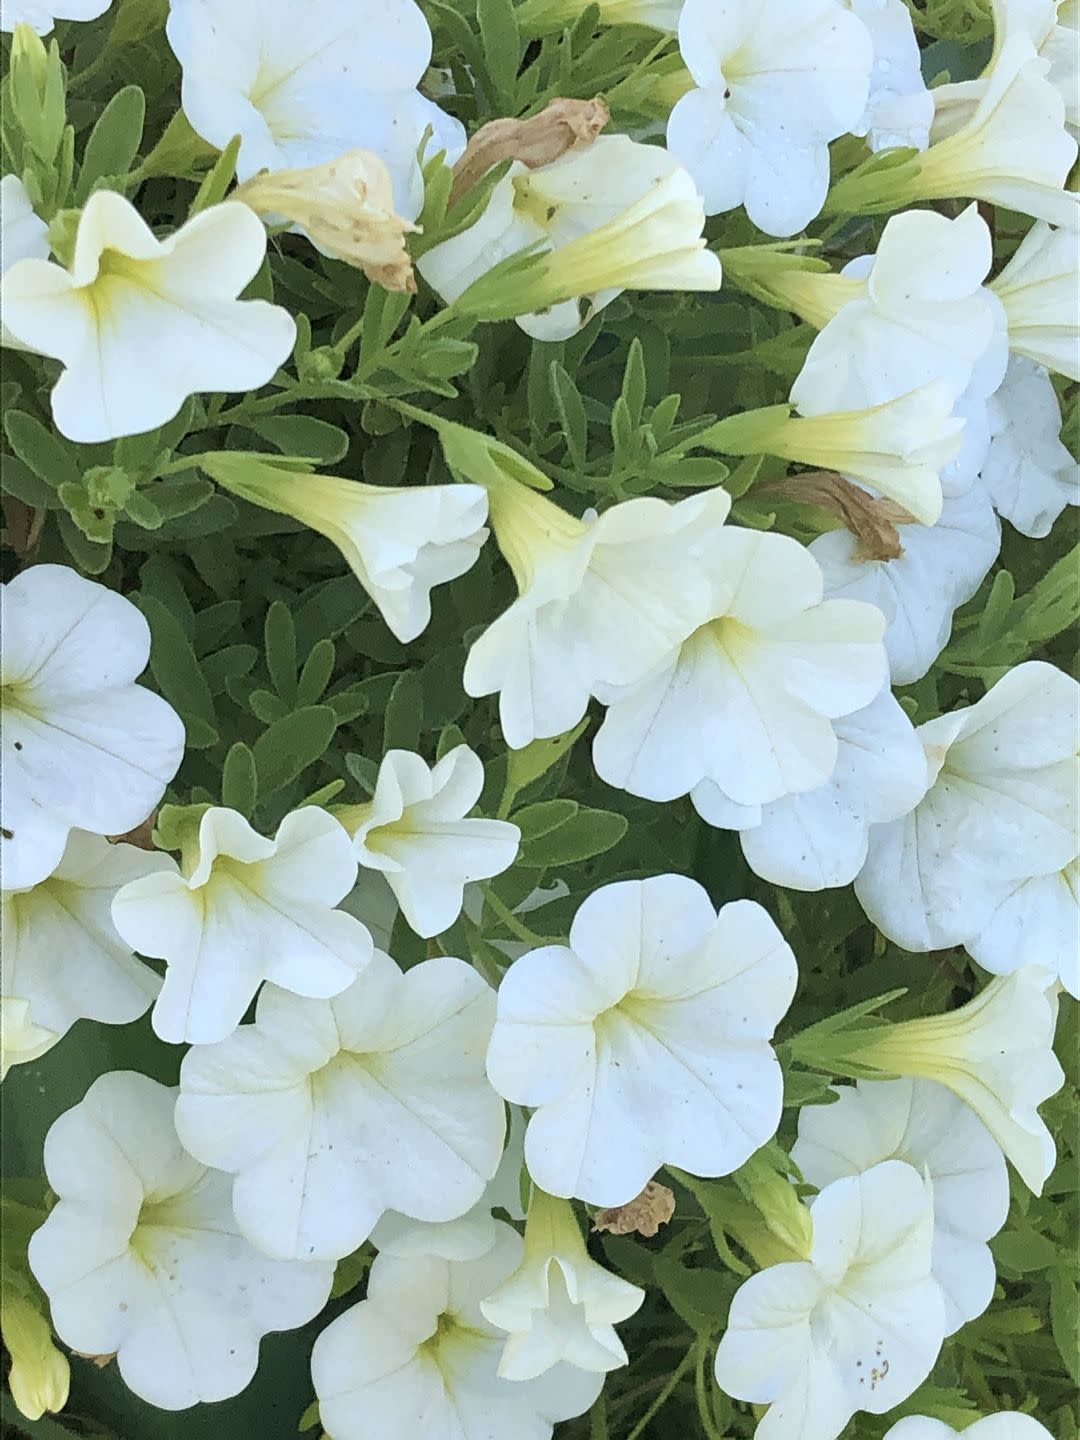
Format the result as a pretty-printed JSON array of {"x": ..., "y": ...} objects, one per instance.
[
  {"x": 173, "y": 664},
  {"x": 304, "y": 435},
  {"x": 239, "y": 785},
  {"x": 290, "y": 745},
  {"x": 315, "y": 676},
  {"x": 404, "y": 713},
  {"x": 588, "y": 833},
  {"x": 41, "y": 450},
  {"x": 571, "y": 410},
  {"x": 543, "y": 817},
  {"x": 634, "y": 382},
  {"x": 114, "y": 141},
  {"x": 279, "y": 634},
  {"x": 502, "y": 48}
]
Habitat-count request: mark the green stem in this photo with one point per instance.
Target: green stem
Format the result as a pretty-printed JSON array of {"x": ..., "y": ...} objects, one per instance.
[
  {"x": 667, "y": 1392},
  {"x": 509, "y": 919},
  {"x": 701, "y": 1394}
]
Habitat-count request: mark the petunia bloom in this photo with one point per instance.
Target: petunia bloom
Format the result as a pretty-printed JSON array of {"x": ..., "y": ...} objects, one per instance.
[
  {"x": 399, "y": 541},
  {"x": 41, "y": 15},
  {"x": 858, "y": 1326},
  {"x": 1037, "y": 923},
  {"x": 995, "y": 1054},
  {"x": 818, "y": 839},
  {"x": 242, "y": 910},
  {"x": 1006, "y": 1425},
  {"x": 105, "y": 316},
  {"x": 330, "y": 1112},
  {"x": 23, "y": 236},
  {"x": 777, "y": 80},
  {"x": 62, "y": 953},
  {"x": 1027, "y": 472},
  {"x": 21, "y": 1040},
  {"x": 646, "y": 1040},
  {"x": 613, "y": 216},
  {"x": 1040, "y": 290},
  {"x": 559, "y": 1305},
  {"x": 1000, "y": 808},
  {"x": 416, "y": 830},
  {"x": 417, "y": 1357},
  {"x": 935, "y": 1132},
  {"x": 899, "y": 109},
  {"x": 749, "y": 699},
  {"x": 141, "y": 1257},
  {"x": 83, "y": 745},
  {"x": 303, "y": 96}
]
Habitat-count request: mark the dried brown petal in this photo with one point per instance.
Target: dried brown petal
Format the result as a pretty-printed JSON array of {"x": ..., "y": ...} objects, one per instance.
[
  {"x": 873, "y": 522},
  {"x": 641, "y": 1216},
  {"x": 564, "y": 125}
]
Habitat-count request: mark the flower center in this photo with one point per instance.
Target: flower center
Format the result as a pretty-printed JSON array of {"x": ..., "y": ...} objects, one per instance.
[{"x": 532, "y": 204}]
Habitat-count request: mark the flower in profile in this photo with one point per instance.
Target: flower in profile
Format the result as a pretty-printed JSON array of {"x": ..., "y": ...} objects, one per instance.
[
  {"x": 749, "y": 699},
  {"x": 331, "y": 1112},
  {"x": 1000, "y": 808},
  {"x": 83, "y": 745},
  {"x": 559, "y": 1305},
  {"x": 919, "y": 591},
  {"x": 922, "y": 1123},
  {"x": 995, "y": 1053},
  {"x": 1040, "y": 290},
  {"x": 104, "y": 317},
  {"x": 858, "y": 1326},
  {"x": 1035, "y": 924},
  {"x": 62, "y": 953},
  {"x": 1006, "y": 1425},
  {"x": 616, "y": 215},
  {"x": 346, "y": 207},
  {"x": 417, "y": 1357},
  {"x": 777, "y": 80},
  {"x": 416, "y": 830},
  {"x": 646, "y": 1040},
  {"x": 818, "y": 839},
  {"x": 1012, "y": 150},
  {"x": 241, "y": 910},
  {"x": 399, "y": 541},
  {"x": 1027, "y": 472},
  {"x": 20, "y": 1039},
  {"x": 23, "y": 236},
  {"x": 141, "y": 1257},
  {"x": 299, "y": 98},
  {"x": 41, "y": 15},
  {"x": 900, "y": 109}
]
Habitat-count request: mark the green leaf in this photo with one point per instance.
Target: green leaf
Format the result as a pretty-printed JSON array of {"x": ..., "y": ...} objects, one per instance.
[
  {"x": 502, "y": 48},
  {"x": 279, "y": 634},
  {"x": 41, "y": 450},
  {"x": 239, "y": 785},
  {"x": 580, "y": 837},
  {"x": 315, "y": 676},
  {"x": 699, "y": 1297},
  {"x": 173, "y": 664},
  {"x": 114, "y": 141},
  {"x": 303, "y": 435},
  {"x": 290, "y": 745},
  {"x": 535, "y": 759},
  {"x": 571, "y": 410},
  {"x": 1065, "y": 1318},
  {"x": 547, "y": 815},
  {"x": 20, "y": 481},
  {"x": 216, "y": 181},
  {"x": 404, "y": 713},
  {"x": 634, "y": 382}
]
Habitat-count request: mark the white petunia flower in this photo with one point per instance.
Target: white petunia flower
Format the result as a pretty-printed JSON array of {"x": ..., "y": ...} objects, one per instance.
[
  {"x": 23, "y": 235},
  {"x": 416, "y": 831},
  {"x": 1061, "y": 47},
  {"x": 1001, "y": 808},
  {"x": 922, "y": 1123},
  {"x": 918, "y": 592},
  {"x": 83, "y": 746},
  {"x": 1040, "y": 290},
  {"x": 924, "y": 315},
  {"x": 245, "y": 909},
  {"x": 749, "y": 698},
  {"x": 996, "y": 1054},
  {"x": 104, "y": 317},
  {"x": 300, "y": 96},
  {"x": 141, "y": 1257},
  {"x": 472, "y": 1234},
  {"x": 601, "y": 601},
  {"x": 61, "y": 950},
  {"x": 646, "y": 1040},
  {"x": 399, "y": 541},
  {"x": 545, "y": 16},
  {"x": 20, "y": 1039},
  {"x": 1027, "y": 472},
  {"x": 417, "y": 1358},
  {"x": 41, "y": 15},
  {"x": 330, "y": 1112},
  {"x": 614, "y": 216},
  {"x": 559, "y": 1305},
  {"x": 856, "y": 1327},
  {"x": 818, "y": 840},
  {"x": 777, "y": 80},
  {"x": 1007, "y": 1425},
  {"x": 900, "y": 109},
  {"x": 1038, "y": 923}
]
